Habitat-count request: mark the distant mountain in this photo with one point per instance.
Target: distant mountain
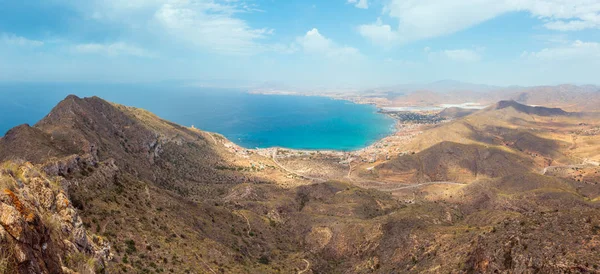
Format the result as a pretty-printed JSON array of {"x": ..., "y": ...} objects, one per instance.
[
  {"x": 451, "y": 85},
  {"x": 569, "y": 97},
  {"x": 578, "y": 98},
  {"x": 535, "y": 110},
  {"x": 441, "y": 86}
]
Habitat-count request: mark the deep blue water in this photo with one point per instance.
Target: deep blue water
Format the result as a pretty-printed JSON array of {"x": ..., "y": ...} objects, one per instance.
[{"x": 249, "y": 120}]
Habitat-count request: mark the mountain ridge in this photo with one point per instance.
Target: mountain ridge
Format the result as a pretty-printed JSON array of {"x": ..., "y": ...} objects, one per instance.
[{"x": 537, "y": 110}]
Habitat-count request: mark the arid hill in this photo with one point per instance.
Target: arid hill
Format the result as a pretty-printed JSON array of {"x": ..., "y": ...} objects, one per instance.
[
  {"x": 549, "y": 136},
  {"x": 453, "y": 162},
  {"x": 455, "y": 112},
  {"x": 100, "y": 187},
  {"x": 533, "y": 110}
]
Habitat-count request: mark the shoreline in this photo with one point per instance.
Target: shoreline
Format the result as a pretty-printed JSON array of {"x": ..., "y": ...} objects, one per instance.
[
  {"x": 381, "y": 149},
  {"x": 398, "y": 125},
  {"x": 379, "y": 110}
]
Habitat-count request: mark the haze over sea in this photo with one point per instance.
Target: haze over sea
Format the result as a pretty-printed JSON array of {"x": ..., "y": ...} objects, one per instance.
[{"x": 249, "y": 120}]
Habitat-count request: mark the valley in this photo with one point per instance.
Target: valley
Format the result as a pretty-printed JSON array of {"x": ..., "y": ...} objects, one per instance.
[{"x": 484, "y": 190}]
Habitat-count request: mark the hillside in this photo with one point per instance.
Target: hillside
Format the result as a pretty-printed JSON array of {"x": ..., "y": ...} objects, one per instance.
[
  {"x": 120, "y": 163},
  {"x": 505, "y": 138},
  {"x": 100, "y": 187},
  {"x": 454, "y": 162},
  {"x": 549, "y": 136}
]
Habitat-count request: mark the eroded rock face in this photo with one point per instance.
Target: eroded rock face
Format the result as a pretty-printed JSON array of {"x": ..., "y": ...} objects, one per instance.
[
  {"x": 11, "y": 221},
  {"x": 40, "y": 231},
  {"x": 71, "y": 164}
]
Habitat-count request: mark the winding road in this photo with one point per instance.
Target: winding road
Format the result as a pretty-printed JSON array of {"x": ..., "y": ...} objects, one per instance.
[{"x": 307, "y": 268}]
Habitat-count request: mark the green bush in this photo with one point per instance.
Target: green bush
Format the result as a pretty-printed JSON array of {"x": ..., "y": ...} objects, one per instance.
[
  {"x": 263, "y": 259},
  {"x": 130, "y": 246}
]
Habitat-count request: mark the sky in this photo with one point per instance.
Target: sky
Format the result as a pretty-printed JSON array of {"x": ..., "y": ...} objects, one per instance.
[{"x": 301, "y": 43}]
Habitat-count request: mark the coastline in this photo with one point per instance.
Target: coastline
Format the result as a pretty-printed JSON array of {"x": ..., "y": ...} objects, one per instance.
[
  {"x": 395, "y": 127},
  {"x": 380, "y": 149},
  {"x": 397, "y": 130}
]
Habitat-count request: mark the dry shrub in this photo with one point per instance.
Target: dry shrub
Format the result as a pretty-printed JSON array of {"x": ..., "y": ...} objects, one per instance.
[
  {"x": 7, "y": 262},
  {"x": 7, "y": 182},
  {"x": 9, "y": 168},
  {"x": 53, "y": 223}
]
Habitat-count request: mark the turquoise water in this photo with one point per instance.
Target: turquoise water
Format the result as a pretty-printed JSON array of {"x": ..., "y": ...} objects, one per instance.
[{"x": 251, "y": 121}]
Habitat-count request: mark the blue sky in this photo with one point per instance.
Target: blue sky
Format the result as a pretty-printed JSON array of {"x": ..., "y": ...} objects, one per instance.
[{"x": 301, "y": 43}]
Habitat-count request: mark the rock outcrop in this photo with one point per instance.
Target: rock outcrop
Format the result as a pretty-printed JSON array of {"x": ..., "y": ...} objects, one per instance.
[{"x": 40, "y": 230}]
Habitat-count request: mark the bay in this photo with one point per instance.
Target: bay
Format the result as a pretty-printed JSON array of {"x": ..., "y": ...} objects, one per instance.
[{"x": 250, "y": 120}]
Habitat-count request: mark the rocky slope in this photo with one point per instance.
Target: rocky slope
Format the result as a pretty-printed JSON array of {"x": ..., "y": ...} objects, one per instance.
[
  {"x": 40, "y": 230},
  {"x": 99, "y": 187}
]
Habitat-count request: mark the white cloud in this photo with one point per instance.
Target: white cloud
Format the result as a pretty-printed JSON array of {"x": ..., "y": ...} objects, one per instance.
[
  {"x": 114, "y": 49},
  {"x": 456, "y": 55},
  {"x": 361, "y": 4},
  {"x": 211, "y": 26},
  {"x": 577, "y": 50},
  {"x": 462, "y": 55},
  {"x": 573, "y": 25},
  {"x": 400, "y": 62},
  {"x": 422, "y": 19},
  {"x": 14, "y": 40},
  {"x": 315, "y": 43},
  {"x": 379, "y": 33}
]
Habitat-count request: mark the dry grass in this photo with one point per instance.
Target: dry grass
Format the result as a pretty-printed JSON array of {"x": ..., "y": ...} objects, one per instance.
[
  {"x": 9, "y": 167},
  {"x": 7, "y": 183},
  {"x": 53, "y": 223},
  {"x": 6, "y": 261},
  {"x": 80, "y": 263}
]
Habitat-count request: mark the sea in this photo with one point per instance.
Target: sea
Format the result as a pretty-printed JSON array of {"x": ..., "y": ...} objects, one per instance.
[{"x": 249, "y": 120}]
